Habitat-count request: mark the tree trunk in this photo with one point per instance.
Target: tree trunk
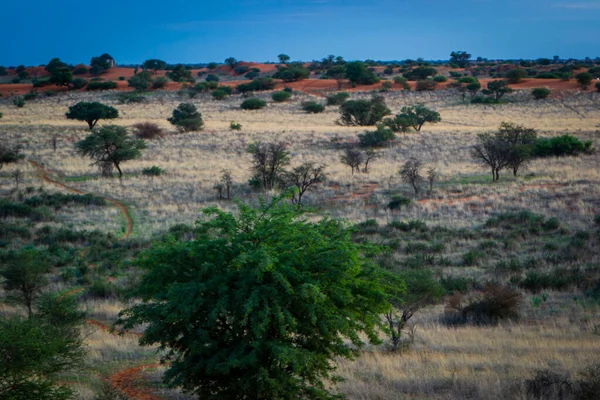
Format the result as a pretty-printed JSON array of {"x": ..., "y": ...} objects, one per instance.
[
  {"x": 515, "y": 170},
  {"x": 119, "y": 169}
]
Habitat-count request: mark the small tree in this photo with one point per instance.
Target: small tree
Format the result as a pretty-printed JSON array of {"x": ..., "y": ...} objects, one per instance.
[
  {"x": 312, "y": 107},
  {"x": 412, "y": 116},
  {"x": 303, "y": 177},
  {"x": 110, "y": 145},
  {"x": 363, "y": 112},
  {"x": 283, "y": 58},
  {"x": 101, "y": 63},
  {"x": 232, "y": 62},
  {"x": 60, "y": 73},
  {"x": 180, "y": 74},
  {"x": 490, "y": 152},
  {"x": 497, "y": 89},
  {"x": 227, "y": 182},
  {"x": 584, "y": 79},
  {"x": 337, "y": 72},
  {"x": 253, "y": 103},
  {"x": 380, "y": 137},
  {"x": 17, "y": 176},
  {"x": 358, "y": 73},
  {"x": 516, "y": 75},
  {"x": 352, "y": 158},
  {"x": 460, "y": 58},
  {"x": 24, "y": 274},
  {"x": 91, "y": 112},
  {"x": 268, "y": 163},
  {"x": 187, "y": 118},
  {"x": 10, "y": 154},
  {"x": 432, "y": 176},
  {"x": 154, "y": 65},
  {"x": 280, "y": 97},
  {"x": 370, "y": 156},
  {"x": 411, "y": 173},
  {"x": 422, "y": 290},
  {"x": 291, "y": 73},
  {"x": 141, "y": 81},
  {"x": 518, "y": 142}
]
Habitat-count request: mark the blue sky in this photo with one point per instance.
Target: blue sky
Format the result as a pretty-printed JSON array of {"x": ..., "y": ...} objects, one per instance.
[{"x": 258, "y": 30}]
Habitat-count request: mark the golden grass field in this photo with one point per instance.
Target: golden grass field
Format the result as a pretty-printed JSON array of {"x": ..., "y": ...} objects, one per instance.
[{"x": 443, "y": 362}]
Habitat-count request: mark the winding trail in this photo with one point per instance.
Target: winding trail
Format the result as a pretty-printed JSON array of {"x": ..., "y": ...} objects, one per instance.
[{"x": 127, "y": 380}]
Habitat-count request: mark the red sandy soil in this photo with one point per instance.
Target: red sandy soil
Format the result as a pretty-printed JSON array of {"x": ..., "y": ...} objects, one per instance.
[{"x": 129, "y": 381}]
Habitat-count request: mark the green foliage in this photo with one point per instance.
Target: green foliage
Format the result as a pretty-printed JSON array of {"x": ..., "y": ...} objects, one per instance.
[
  {"x": 398, "y": 202},
  {"x": 108, "y": 85},
  {"x": 59, "y": 200},
  {"x": 440, "y": 78},
  {"x": 547, "y": 75},
  {"x": 110, "y": 145},
  {"x": 235, "y": 126},
  {"x": 363, "y": 112},
  {"x": 280, "y": 97},
  {"x": 256, "y": 85},
  {"x": 460, "y": 58},
  {"x": 497, "y": 89},
  {"x": 60, "y": 73},
  {"x": 283, "y": 58},
  {"x": 187, "y": 118},
  {"x": 19, "y": 102},
  {"x": 540, "y": 93},
  {"x": 160, "y": 82},
  {"x": 80, "y": 70},
  {"x": 412, "y": 117},
  {"x": 425, "y": 84},
  {"x": 379, "y": 137},
  {"x": 358, "y": 73},
  {"x": 220, "y": 94},
  {"x": 78, "y": 83},
  {"x": 212, "y": 78},
  {"x": 337, "y": 98},
  {"x": 154, "y": 64},
  {"x": 127, "y": 98},
  {"x": 247, "y": 311},
  {"x": 584, "y": 79},
  {"x": 516, "y": 75},
  {"x": 91, "y": 112},
  {"x": 253, "y": 103},
  {"x": 495, "y": 303},
  {"x": 141, "y": 81},
  {"x": 242, "y": 69},
  {"x": 313, "y": 107},
  {"x": 212, "y": 65},
  {"x": 101, "y": 63},
  {"x": 153, "y": 171},
  {"x": 34, "y": 352},
  {"x": 291, "y": 73},
  {"x": 565, "y": 145},
  {"x": 232, "y": 62},
  {"x": 420, "y": 73},
  {"x": 10, "y": 154},
  {"x": 268, "y": 163},
  {"x": 180, "y": 74}
]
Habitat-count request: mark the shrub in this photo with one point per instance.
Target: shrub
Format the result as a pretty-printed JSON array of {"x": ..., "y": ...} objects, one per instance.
[
  {"x": 337, "y": 98},
  {"x": 141, "y": 81},
  {"x": 565, "y": 145},
  {"x": 358, "y": 73},
  {"x": 219, "y": 94},
  {"x": 516, "y": 75},
  {"x": 547, "y": 75},
  {"x": 127, "y": 98},
  {"x": 540, "y": 93},
  {"x": 584, "y": 79},
  {"x": 242, "y": 69},
  {"x": 148, "y": 130},
  {"x": 313, "y": 107},
  {"x": 235, "y": 126},
  {"x": 378, "y": 137},
  {"x": 280, "y": 97},
  {"x": 108, "y": 85},
  {"x": 30, "y": 96},
  {"x": 398, "y": 202},
  {"x": 363, "y": 112},
  {"x": 291, "y": 73},
  {"x": 426, "y": 84},
  {"x": 253, "y": 103},
  {"x": 160, "y": 82},
  {"x": 187, "y": 118},
  {"x": 440, "y": 78},
  {"x": 78, "y": 83},
  {"x": 598, "y": 86},
  {"x": 19, "y": 102},
  {"x": 153, "y": 171},
  {"x": 80, "y": 71},
  {"x": 121, "y": 78},
  {"x": 212, "y": 78},
  {"x": 91, "y": 112},
  {"x": 495, "y": 303},
  {"x": 412, "y": 117},
  {"x": 256, "y": 85},
  {"x": 101, "y": 289}
]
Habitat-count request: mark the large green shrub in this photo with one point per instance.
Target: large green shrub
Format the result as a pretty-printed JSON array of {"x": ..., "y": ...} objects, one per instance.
[
  {"x": 358, "y": 73},
  {"x": 187, "y": 118},
  {"x": 584, "y": 79},
  {"x": 337, "y": 98},
  {"x": 379, "y": 137},
  {"x": 565, "y": 145},
  {"x": 280, "y": 97},
  {"x": 291, "y": 73},
  {"x": 253, "y": 103},
  {"x": 108, "y": 85},
  {"x": 259, "y": 84},
  {"x": 363, "y": 112},
  {"x": 160, "y": 82},
  {"x": 516, "y": 75},
  {"x": 540, "y": 93},
  {"x": 313, "y": 107}
]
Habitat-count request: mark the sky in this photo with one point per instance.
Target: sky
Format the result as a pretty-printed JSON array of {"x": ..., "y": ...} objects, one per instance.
[{"x": 258, "y": 30}]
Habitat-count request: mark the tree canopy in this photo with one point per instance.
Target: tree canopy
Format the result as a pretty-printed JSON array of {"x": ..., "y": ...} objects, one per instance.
[
  {"x": 187, "y": 118},
  {"x": 154, "y": 64},
  {"x": 460, "y": 58},
  {"x": 258, "y": 306},
  {"x": 91, "y": 112},
  {"x": 363, "y": 112},
  {"x": 357, "y": 72},
  {"x": 412, "y": 117},
  {"x": 110, "y": 145}
]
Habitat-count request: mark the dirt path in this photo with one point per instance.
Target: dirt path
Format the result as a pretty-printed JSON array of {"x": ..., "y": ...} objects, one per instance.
[{"x": 127, "y": 380}]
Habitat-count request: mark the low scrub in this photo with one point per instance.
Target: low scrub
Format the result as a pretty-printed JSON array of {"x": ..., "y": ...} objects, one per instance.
[
  {"x": 337, "y": 98},
  {"x": 496, "y": 302},
  {"x": 148, "y": 130},
  {"x": 253, "y": 103},
  {"x": 313, "y": 107},
  {"x": 108, "y": 85}
]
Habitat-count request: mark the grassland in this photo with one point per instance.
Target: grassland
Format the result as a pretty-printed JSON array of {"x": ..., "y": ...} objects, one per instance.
[{"x": 443, "y": 362}]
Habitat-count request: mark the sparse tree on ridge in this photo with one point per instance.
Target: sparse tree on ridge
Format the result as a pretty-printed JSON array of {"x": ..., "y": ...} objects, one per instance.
[
  {"x": 352, "y": 158},
  {"x": 283, "y": 58},
  {"x": 460, "y": 58},
  {"x": 268, "y": 163},
  {"x": 411, "y": 173},
  {"x": 154, "y": 65},
  {"x": 232, "y": 62},
  {"x": 91, "y": 112},
  {"x": 303, "y": 177}
]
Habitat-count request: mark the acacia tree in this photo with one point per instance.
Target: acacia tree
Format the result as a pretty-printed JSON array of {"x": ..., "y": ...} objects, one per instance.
[
  {"x": 232, "y": 62},
  {"x": 497, "y": 89},
  {"x": 110, "y": 145},
  {"x": 337, "y": 72},
  {"x": 491, "y": 152},
  {"x": 268, "y": 163},
  {"x": 24, "y": 275},
  {"x": 283, "y": 58},
  {"x": 518, "y": 141},
  {"x": 363, "y": 112},
  {"x": 187, "y": 118},
  {"x": 60, "y": 73},
  {"x": 460, "y": 58},
  {"x": 260, "y": 305},
  {"x": 91, "y": 112},
  {"x": 352, "y": 158},
  {"x": 303, "y": 177},
  {"x": 411, "y": 173},
  {"x": 155, "y": 65},
  {"x": 10, "y": 154},
  {"x": 412, "y": 117},
  {"x": 370, "y": 156}
]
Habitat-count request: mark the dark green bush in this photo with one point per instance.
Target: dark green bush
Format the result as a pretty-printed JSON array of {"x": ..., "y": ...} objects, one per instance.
[
  {"x": 242, "y": 69},
  {"x": 280, "y": 97},
  {"x": 153, "y": 171},
  {"x": 420, "y": 73},
  {"x": 426, "y": 84},
  {"x": 160, "y": 82},
  {"x": 256, "y": 85},
  {"x": 58, "y": 200},
  {"x": 313, "y": 107},
  {"x": 398, "y": 202},
  {"x": 565, "y": 145},
  {"x": 495, "y": 303},
  {"x": 127, "y": 98},
  {"x": 108, "y": 85},
  {"x": 253, "y": 103},
  {"x": 516, "y": 75},
  {"x": 440, "y": 78},
  {"x": 212, "y": 78},
  {"x": 547, "y": 75},
  {"x": 540, "y": 93},
  {"x": 80, "y": 71},
  {"x": 78, "y": 83},
  {"x": 291, "y": 73},
  {"x": 219, "y": 94},
  {"x": 363, "y": 112},
  {"x": 379, "y": 137},
  {"x": 337, "y": 98},
  {"x": 19, "y": 102},
  {"x": 187, "y": 118}
]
